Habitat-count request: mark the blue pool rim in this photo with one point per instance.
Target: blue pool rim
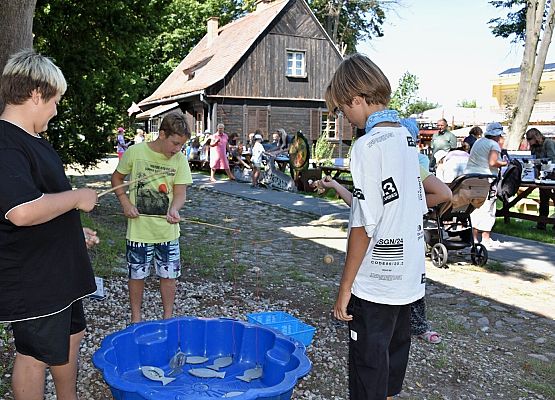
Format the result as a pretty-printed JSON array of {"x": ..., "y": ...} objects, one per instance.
[{"x": 282, "y": 390}]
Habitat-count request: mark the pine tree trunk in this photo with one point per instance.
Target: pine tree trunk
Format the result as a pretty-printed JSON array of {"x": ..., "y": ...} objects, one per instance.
[{"x": 16, "y": 20}]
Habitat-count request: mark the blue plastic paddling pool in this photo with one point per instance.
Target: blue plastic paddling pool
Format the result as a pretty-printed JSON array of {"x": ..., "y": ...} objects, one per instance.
[{"x": 153, "y": 344}]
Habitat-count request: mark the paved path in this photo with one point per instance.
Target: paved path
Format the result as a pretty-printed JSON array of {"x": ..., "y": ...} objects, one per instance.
[
  {"x": 528, "y": 254},
  {"x": 532, "y": 256}
]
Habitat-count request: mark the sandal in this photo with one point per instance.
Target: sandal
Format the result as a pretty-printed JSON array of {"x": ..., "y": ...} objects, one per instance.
[{"x": 430, "y": 337}]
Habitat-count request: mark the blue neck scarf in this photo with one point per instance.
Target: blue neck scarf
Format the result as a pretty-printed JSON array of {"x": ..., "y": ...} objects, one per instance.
[{"x": 381, "y": 116}]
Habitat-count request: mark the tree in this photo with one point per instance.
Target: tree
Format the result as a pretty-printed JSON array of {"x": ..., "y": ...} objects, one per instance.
[
  {"x": 467, "y": 103},
  {"x": 100, "y": 47},
  {"x": 419, "y": 106},
  {"x": 111, "y": 53},
  {"x": 16, "y": 20},
  {"x": 532, "y": 23},
  {"x": 405, "y": 94},
  {"x": 349, "y": 22}
]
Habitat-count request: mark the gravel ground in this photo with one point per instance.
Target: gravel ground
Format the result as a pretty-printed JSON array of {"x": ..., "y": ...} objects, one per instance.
[{"x": 489, "y": 349}]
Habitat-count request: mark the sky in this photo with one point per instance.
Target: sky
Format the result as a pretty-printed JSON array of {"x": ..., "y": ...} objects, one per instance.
[{"x": 449, "y": 46}]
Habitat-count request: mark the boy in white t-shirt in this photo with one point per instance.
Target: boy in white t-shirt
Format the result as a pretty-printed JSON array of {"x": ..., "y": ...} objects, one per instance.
[{"x": 384, "y": 266}]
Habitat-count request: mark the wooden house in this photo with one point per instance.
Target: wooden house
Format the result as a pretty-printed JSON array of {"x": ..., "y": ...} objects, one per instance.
[{"x": 266, "y": 70}]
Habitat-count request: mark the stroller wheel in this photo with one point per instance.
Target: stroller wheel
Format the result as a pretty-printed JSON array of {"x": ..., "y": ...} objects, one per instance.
[
  {"x": 439, "y": 255},
  {"x": 479, "y": 254}
]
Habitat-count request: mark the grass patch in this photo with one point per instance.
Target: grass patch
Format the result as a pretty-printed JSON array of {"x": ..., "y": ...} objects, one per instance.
[
  {"x": 441, "y": 362},
  {"x": 324, "y": 294},
  {"x": 107, "y": 257},
  {"x": 449, "y": 325},
  {"x": 295, "y": 274},
  {"x": 494, "y": 266},
  {"x": 539, "y": 377},
  {"x": 524, "y": 229},
  {"x": 235, "y": 270}
]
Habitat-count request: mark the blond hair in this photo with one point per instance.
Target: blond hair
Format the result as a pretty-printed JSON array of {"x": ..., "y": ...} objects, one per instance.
[
  {"x": 26, "y": 71},
  {"x": 357, "y": 76}
]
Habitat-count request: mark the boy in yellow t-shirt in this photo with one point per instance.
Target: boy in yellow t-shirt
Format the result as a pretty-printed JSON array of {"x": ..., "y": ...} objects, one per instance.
[{"x": 161, "y": 173}]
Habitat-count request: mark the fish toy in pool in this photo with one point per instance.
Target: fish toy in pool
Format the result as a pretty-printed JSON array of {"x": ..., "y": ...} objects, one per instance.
[
  {"x": 195, "y": 359},
  {"x": 220, "y": 362},
  {"x": 156, "y": 374},
  {"x": 250, "y": 374},
  {"x": 206, "y": 373}
]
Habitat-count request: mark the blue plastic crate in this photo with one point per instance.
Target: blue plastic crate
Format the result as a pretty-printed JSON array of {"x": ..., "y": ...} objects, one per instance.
[
  {"x": 286, "y": 324},
  {"x": 270, "y": 317}
]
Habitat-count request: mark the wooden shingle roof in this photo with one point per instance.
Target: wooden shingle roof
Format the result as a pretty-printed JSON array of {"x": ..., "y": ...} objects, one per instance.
[{"x": 207, "y": 65}]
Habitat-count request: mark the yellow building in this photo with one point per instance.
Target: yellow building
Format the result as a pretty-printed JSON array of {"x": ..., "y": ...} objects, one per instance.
[{"x": 505, "y": 90}]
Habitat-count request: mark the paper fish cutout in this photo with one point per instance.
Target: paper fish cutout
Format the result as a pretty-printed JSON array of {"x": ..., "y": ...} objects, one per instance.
[
  {"x": 221, "y": 362},
  {"x": 206, "y": 373},
  {"x": 250, "y": 374},
  {"x": 156, "y": 374},
  {"x": 195, "y": 359}
]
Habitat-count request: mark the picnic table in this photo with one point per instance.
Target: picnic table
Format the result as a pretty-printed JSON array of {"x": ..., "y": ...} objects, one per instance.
[
  {"x": 338, "y": 173},
  {"x": 521, "y": 195}
]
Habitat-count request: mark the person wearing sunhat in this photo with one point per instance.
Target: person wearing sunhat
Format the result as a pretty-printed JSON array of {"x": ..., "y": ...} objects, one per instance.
[
  {"x": 485, "y": 158},
  {"x": 256, "y": 158}
]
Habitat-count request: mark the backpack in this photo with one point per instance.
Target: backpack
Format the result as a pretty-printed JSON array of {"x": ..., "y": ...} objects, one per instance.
[{"x": 510, "y": 181}]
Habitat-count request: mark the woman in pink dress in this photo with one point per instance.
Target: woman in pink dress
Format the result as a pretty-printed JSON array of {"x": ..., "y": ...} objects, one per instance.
[{"x": 218, "y": 153}]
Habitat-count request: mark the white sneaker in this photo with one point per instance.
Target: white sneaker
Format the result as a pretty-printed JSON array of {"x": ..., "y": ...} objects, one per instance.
[{"x": 490, "y": 244}]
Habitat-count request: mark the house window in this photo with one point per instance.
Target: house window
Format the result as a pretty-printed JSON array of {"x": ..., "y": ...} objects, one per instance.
[
  {"x": 199, "y": 123},
  {"x": 296, "y": 63},
  {"x": 329, "y": 126},
  {"x": 154, "y": 127}
]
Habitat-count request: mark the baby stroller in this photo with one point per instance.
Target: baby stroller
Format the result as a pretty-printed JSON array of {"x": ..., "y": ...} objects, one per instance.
[{"x": 448, "y": 226}]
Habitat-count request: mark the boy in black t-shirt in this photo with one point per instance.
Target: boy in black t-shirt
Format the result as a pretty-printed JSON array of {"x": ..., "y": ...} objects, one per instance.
[{"x": 44, "y": 266}]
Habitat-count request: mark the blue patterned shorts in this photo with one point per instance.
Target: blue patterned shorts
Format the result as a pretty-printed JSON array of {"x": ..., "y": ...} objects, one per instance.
[{"x": 166, "y": 256}]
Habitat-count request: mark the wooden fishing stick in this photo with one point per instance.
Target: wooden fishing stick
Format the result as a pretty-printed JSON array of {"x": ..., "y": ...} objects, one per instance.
[
  {"x": 129, "y": 183},
  {"x": 303, "y": 238},
  {"x": 191, "y": 221}
]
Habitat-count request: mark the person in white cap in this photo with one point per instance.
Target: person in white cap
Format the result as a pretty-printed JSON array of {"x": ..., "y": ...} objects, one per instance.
[
  {"x": 485, "y": 158},
  {"x": 256, "y": 158}
]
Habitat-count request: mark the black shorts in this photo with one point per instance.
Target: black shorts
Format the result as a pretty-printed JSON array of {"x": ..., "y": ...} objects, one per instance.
[
  {"x": 379, "y": 347},
  {"x": 47, "y": 338}
]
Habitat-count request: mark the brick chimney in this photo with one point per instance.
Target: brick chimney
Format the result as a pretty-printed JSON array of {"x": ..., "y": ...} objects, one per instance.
[{"x": 212, "y": 30}]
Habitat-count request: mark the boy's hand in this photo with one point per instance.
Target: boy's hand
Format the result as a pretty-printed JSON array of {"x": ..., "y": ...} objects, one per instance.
[
  {"x": 130, "y": 211},
  {"x": 340, "y": 308},
  {"x": 86, "y": 199},
  {"x": 173, "y": 217},
  {"x": 90, "y": 237}
]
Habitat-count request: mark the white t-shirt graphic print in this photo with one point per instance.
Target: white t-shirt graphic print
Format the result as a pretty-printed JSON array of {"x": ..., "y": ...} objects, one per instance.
[{"x": 389, "y": 201}]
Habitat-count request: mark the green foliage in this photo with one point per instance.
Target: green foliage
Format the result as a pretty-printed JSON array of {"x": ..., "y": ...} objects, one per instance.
[
  {"x": 514, "y": 24},
  {"x": 323, "y": 148},
  {"x": 467, "y": 103},
  {"x": 405, "y": 94},
  {"x": 100, "y": 47},
  {"x": 113, "y": 52},
  {"x": 350, "y": 22},
  {"x": 419, "y": 106}
]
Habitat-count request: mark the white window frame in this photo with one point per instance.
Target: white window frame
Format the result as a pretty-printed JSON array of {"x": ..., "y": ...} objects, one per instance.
[
  {"x": 295, "y": 71},
  {"x": 329, "y": 126}
]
